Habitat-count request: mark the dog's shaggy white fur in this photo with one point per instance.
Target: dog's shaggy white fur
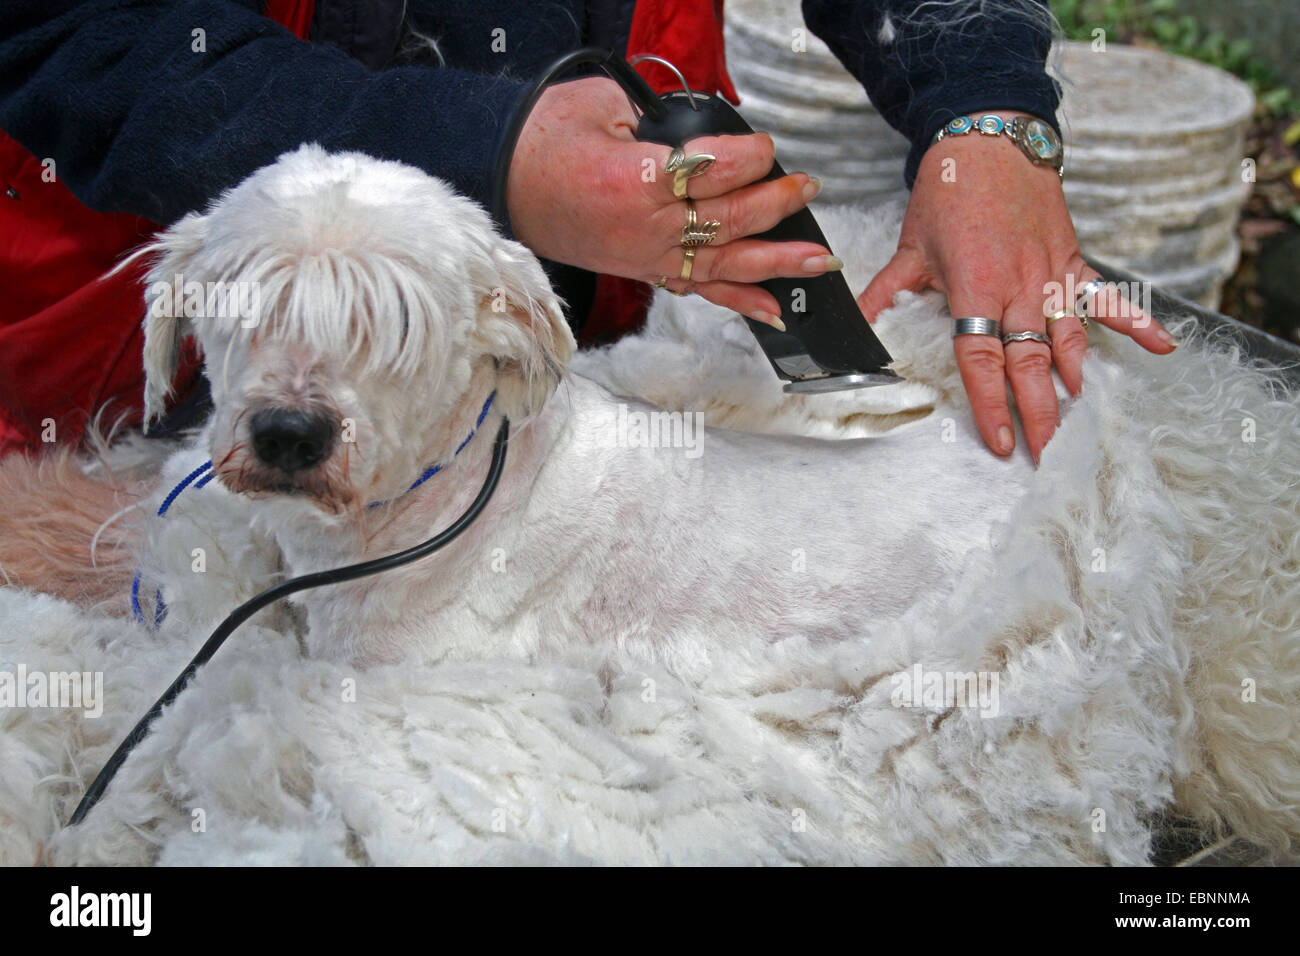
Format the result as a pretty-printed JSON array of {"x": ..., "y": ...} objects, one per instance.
[{"x": 640, "y": 655}]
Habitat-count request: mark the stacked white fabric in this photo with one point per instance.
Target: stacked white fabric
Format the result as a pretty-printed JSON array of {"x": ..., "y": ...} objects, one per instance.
[
  {"x": 1121, "y": 689},
  {"x": 1154, "y": 164},
  {"x": 822, "y": 123},
  {"x": 1154, "y": 174}
]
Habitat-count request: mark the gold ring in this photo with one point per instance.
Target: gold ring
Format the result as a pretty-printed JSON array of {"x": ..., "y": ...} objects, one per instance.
[
  {"x": 691, "y": 236},
  {"x": 688, "y": 264},
  {"x": 1066, "y": 313},
  {"x": 685, "y": 167},
  {"x": 662, "y": 283}
]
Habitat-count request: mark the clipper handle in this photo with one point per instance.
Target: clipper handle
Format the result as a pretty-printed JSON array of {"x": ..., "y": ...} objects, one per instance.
[{"x": 821, "y": 316}]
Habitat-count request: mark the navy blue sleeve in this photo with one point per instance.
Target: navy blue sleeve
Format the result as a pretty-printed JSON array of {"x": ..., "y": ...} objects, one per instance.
[
  {"x": 920, "y": 72},
  {"x": 139, "y": 121}
]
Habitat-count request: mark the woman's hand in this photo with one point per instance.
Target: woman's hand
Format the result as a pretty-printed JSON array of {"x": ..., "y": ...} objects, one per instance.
[
  {"x": 583, "y": 191},
  {"x": 991, "y": 230}
]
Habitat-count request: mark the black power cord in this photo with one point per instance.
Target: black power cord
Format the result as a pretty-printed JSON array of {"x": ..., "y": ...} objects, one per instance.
[{"x": 283, "y": 590}]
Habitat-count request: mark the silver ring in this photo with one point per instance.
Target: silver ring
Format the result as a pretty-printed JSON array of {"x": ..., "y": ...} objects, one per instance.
[
  {"x": 1025, "y": 337},
  {"x": 976, "y": 325},
  {"x": 1087, "y": 291}
]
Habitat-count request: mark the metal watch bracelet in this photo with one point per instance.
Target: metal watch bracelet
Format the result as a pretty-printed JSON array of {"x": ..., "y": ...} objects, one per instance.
[{"x": 1035, "y": 138}]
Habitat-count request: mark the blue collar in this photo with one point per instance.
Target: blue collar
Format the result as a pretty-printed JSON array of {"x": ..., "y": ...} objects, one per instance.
[
  {"x": 203, "y": 474},
  {"x": 434, "y": 469}
]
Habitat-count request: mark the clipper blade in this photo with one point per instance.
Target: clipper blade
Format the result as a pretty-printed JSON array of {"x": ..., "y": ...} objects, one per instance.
[
  {"x": 842, "y": 383},
  {"x": 802, "y": 374}
]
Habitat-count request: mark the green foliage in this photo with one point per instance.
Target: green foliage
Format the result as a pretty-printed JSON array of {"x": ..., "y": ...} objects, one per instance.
[{"x": 1159, "y": 22}]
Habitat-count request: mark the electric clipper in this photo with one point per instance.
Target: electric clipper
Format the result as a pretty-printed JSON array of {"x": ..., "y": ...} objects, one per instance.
[{"x": 827, "y": 346}]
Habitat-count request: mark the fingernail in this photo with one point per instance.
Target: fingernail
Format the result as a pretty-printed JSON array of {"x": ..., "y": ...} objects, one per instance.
[
  {"x": 811, "y": 188},
  {"x": 767, "y": 318},
  {"x": 1006, "y": 441},
  {"x": 1168, "y": 339},
  {"x": 822, "y": 264}
]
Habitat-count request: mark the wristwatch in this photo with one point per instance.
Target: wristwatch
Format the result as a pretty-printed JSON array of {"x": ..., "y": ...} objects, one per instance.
[{"x": 1036, "y": 139}]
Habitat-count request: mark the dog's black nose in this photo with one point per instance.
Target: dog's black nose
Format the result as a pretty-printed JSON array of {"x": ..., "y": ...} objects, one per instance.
[{"x": 291, "y": 440}]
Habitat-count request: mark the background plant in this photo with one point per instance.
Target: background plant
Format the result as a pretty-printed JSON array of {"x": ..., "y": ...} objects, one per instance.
[{"x": 1272, "y": 211}]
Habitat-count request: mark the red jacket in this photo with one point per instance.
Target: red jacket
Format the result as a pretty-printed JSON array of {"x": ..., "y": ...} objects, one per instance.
[{"x": 71, "y": 338}]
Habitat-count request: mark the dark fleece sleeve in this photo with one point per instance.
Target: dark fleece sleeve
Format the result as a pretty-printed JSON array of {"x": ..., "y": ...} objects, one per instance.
[
  {"x": 139, "y": 121},
  {"x": 920, "y": 72}
]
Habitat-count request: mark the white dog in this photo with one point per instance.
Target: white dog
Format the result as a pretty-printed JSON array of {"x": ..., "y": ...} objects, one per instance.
[{"x": 390, "y": 311}]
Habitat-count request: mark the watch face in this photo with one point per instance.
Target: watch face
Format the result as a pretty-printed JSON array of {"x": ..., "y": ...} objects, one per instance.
[{"x": 1041, "y": 140}]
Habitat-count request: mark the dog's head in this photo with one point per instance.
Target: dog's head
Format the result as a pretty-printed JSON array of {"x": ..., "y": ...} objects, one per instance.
[{"x": 349, "y": 310}]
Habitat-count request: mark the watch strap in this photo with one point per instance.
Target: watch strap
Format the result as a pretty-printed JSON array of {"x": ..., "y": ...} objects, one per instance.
[{"x": 990, "y": 125}]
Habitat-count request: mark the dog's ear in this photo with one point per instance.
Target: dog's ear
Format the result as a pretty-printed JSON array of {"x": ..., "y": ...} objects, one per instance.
[
  {"x": 165, "y": 324},
  {"x": 522, "y": 326}
]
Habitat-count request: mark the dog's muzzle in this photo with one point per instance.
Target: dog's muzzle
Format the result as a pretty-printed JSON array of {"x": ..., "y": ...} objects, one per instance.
[{"x": 290, "y": 440}]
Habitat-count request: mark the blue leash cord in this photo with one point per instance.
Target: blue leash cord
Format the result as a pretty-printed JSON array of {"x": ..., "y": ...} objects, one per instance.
[{"x": 160, "y": 608}]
